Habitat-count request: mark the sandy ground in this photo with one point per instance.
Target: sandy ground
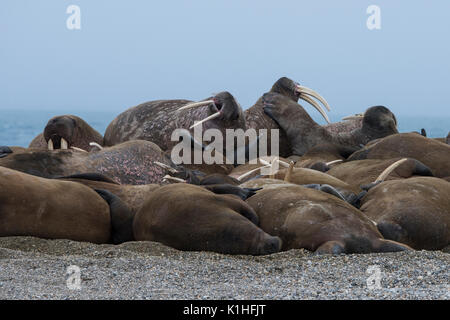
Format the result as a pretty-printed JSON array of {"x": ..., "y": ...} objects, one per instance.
[{"x": 32, "y": 268}]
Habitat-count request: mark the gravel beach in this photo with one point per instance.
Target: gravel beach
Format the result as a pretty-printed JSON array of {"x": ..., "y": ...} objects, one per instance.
[{"x": 32, "y": 268}]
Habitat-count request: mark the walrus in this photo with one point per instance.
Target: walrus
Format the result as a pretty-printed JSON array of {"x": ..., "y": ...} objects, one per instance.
[
  {"x": 433, "y": 154},
  {"x": 132, "y": 162},
  {"x": 65, "y": 132},
  {"x": 314, "y": 220},
  {"x": 53, "y": 209},
  {"x": 156, "y": 120},
  {"x": 414, "y": 211},
  {"x": 362, "y": 172},
  {"x": 304, "y": 133},
  {"x": 257, "y": 119},
  {"x": 188, "y": 217}
]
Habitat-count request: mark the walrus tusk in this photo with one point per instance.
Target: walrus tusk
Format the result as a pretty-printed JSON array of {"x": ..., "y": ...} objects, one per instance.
[
  {"x": 165, "y": 166},
  {"x": 213, "y": 116},
  {"x": 196, "y": 104},
  {"x": 78, "y": 149},
  {"x": 311, "y": 92},
  {"x": 95, "y": 144},
  {"x": 50, "y": 144},
  {"x": 167, "y": 177},
  {"x": 354, "y": 117},
  {"x": 333, "y": 162},
  {"x": 389, "y": 169},
  {"x": 283, "y": 163},
  {"x": 64, "y": 144},
  {"x": 288, "y": 174},
  {"x": 317, "y": 106},
  {"x": 251, "y": 171}
]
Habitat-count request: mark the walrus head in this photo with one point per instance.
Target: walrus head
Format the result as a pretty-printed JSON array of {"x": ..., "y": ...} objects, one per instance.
[
  {"x": 294, "y": 91},
  {"x": 59, "y": 132},
  {"x": 380, "y": 122}
]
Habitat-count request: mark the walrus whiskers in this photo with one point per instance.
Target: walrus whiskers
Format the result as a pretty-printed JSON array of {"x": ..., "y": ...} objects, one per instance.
[
  {"x": 317, "y": 106},
  {"x": 213, "y": 116},
  {"x": 311, "y": 92},
  {"x": 196, "y": 104},
  {"x": 389, "y": 169}
]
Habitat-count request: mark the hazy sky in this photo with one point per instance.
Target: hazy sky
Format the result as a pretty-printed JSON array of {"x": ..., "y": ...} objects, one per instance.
[{"x": 129, "y": 52}]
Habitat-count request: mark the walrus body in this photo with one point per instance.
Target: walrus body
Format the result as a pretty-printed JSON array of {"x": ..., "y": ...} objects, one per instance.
[
  {"x": 188, "y": 217},
  {"x": 156, "y": 120},
  {"x": 435, "y": 155},
  {"x": 65, "y": 132},
  {"x": 316, "y": 221},
  {"x": 127, "y": 163},
  {"x": 414, "y": 211},
  {"x": 322, "y": 156},
  {"x": 52, "y": 209}
]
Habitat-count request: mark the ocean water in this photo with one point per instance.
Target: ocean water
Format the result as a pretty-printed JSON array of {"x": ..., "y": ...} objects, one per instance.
[{"x": 19, "y": 127}]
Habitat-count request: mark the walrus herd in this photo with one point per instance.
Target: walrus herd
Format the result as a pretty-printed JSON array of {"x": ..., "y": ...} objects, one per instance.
[{"x": 355, "y": 186}]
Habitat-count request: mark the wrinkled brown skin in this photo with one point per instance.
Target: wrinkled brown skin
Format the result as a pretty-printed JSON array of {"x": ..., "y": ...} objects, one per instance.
[
  {"x": 51, "y": 209},
  {"x": 188, "y": 217},
  {"x": 156, "y": 120},
  {"x": 304, "y": 133},
  {"x": 361, "y": 172},
  {"x": 431, "y": 153},
  {"x": 345, "y": 126},
  {"x": 413, "y": 211},
  {"x": 77, "y": 132},
  {"x": 316, "y": 221},
  {"x": 317, "y": 157},
  {"x": 127, "y": 163}
]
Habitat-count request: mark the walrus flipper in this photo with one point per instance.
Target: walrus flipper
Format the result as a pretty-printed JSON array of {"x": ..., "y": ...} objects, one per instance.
[{"x": 121, "y": 217}]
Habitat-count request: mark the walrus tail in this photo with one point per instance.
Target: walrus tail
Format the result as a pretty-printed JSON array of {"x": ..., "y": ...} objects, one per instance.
[{"x": 121, "y": 217}]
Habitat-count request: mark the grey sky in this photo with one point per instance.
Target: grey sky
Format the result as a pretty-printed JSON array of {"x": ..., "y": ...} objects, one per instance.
[{"x": 128, "y": 52}]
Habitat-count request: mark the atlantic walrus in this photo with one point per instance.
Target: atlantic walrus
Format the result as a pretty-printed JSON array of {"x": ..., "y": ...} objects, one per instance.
[
  {"x": 156, "y": 120},
  {"x": 132, "y": 162},
  {"x": 434, "y": 154},
  {"x": 53, "y": 209},
  {"x": 65, "y": 132},
  {"x": 317, "y": 221},
  {"x": 257, "y": 119},
  {"x": 188, "y": 217},
  {"x": 414, "y": 211}
]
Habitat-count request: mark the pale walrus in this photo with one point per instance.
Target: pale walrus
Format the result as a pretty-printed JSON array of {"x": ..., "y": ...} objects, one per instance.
[
  {"x": 53, "y": 209},
  {"x": 317, "y": 221},
  {"x": 304, "y": 133},
  {"x": 257, "y": 119},
  {"x": 414, "y": 211},
  {"x": 434, "y": 154},
  {"x": 188, "y": 217},
  {"x": 65, "y": 132}
]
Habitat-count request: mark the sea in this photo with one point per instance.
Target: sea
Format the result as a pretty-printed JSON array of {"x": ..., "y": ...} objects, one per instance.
[{"x": 19, "y": 127}]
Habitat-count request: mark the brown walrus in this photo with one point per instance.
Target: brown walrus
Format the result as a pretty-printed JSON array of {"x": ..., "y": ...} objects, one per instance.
[
  {"x": 304, "y": 133},
  {"x": 414, "y": 211},
  {"x": 65, "y": 132},
  {"x": 132, "y": 162},
  {"x": 434, "y": 154},
  {"x": 316, "y": 221},
  {"x": 53, "y": 209},
  {"x": 257, "y": 119},
  {"x": 188, "y": 217}
]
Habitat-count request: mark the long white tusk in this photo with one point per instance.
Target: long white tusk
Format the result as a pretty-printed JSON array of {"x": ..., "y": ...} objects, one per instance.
[
  {"x": 196, "y": 104},
  {"x": 167, "y": 177},
  {"x": 95, "y": 144},
  {"x": 165, "y": 166},
  {"x": 354, "y": 117},
  {"x": 50, "y": 144},
  {"x": 78, "y": 149},
  {"x": 283, "y": 163},
  {"x": 64, "y": 144},
  {"x": 213, "y": 116},
  {"x": 333, "y": 162},
  {"x": 389, "y": 169},
  {"x": 316, "y": 105},
  {"x": 251, "y": 171},
  {"x": 313, "y": 93}
]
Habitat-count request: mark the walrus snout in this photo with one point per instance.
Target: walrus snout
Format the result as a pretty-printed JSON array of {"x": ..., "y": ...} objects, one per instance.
[
  {"x": 59, "y": 131},
  {"x": 269, "y": 245}
]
